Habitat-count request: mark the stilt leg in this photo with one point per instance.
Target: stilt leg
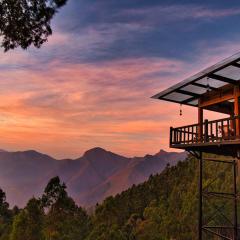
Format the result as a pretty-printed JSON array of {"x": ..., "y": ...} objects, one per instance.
[
  {"x": 200, "y": 197},
  {"x": 235, "y": 200}
]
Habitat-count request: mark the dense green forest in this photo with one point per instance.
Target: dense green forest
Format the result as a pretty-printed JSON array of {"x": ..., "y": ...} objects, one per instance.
[{"x": 162, "y": 208}]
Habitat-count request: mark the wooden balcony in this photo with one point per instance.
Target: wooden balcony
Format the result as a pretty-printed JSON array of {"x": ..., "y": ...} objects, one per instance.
[{"x": 220, "y": 136}]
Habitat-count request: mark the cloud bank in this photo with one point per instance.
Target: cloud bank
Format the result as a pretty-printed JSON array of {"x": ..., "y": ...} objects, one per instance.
[{"x": 91, "y": 84}]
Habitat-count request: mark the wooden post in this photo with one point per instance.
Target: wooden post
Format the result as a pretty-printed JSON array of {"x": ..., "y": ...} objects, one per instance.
[
  {"x": 232, "y": 122},
  {"x": 236, "y": 110},
  {"x": 206, "y": 131},
  {"x": 171, "y": 137},
  {"x": 200, "y": 124}
]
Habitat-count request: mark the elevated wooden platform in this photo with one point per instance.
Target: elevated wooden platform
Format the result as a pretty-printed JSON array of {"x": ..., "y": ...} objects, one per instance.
[
  {"x": 219, "y": 137},
  {"x": 225, "y": 148},
  {"x": 216, "y": 88}
]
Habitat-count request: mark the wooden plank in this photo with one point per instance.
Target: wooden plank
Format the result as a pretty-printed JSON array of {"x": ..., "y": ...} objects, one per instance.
[
  {"x": 223, "y": 107},
  {"x": 220, "y": 99},
  {"x": 215, "y": 97}
]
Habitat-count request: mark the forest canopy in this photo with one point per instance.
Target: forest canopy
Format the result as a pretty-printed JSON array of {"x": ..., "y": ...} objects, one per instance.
[
  {"x": 26, "y": 22},
  {"x": 162, "y": 208}
]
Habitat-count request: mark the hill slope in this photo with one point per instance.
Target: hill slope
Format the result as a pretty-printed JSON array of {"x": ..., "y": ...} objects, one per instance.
[
  {"x": 165, "y": 206},
  {"x": 90, "y": 178}
]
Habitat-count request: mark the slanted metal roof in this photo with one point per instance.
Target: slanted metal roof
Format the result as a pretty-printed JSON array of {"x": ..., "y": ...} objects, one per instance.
[{"x": 190, "y": 90}]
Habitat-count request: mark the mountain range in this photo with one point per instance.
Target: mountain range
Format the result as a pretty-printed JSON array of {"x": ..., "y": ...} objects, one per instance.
[{"x": 89, "y": 179}]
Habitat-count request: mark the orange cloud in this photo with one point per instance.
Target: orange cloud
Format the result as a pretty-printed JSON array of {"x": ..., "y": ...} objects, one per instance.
[{"x": 64, "y": 109}]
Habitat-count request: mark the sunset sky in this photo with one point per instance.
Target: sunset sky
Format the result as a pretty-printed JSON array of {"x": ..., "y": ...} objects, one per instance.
[{"x": 91, "y": 84}]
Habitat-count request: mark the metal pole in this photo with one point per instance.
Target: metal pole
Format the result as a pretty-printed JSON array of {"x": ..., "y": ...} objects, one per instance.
[
  {"x": 235, "y": 200},
  {"x": 200, "y": 196}
]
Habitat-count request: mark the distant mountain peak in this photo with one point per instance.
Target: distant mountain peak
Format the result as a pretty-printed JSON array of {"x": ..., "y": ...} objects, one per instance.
[
  {"x": 97, "y": 174},
  {"x": 162, "y": 152},
  {"x": 1, "y": 151},
  {"x": 94, "y": 151},
  {"x": 30, "y": 153},
  {"x": 148, "y": 156}
]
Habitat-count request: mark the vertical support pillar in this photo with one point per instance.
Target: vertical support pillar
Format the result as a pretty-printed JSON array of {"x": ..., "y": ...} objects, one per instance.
[
  {"x": 200, "y": 162},
  {"x": 236, "y": 110},
  {"x": 200, "y": 124},
  {"x": 222, "y": 231},
  {"x": 235, "y": 200}
]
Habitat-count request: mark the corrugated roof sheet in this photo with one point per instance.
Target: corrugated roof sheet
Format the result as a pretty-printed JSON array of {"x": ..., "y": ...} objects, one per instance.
[{"x": 190, "y": 90}]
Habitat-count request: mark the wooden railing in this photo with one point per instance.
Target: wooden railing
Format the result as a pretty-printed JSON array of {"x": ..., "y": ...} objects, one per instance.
[{"x": 225, "y": 129}]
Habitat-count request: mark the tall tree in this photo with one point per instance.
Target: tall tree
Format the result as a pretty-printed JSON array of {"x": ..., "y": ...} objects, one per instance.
[
  {"x": 4, "y": 211},
  {"x": 26, "y": 22},
  {"x": 28, "y": 224},
  {"x": 64, "y": 219},
  {"x": 5, "y": 216}
]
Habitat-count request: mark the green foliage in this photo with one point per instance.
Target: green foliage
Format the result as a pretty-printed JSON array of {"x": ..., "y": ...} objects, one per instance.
[
  {"x": 26, "y": 22},
  {"x": 5, "y": 217},
  {"x": 64, "y": 219},
  {"x": 4, "y": 211},
  {"x": 162, "y": 208},
  {"x": 103, "y": 232},
  {"x": 28, "y": 224},
  {"x": 54, "y": 194}
]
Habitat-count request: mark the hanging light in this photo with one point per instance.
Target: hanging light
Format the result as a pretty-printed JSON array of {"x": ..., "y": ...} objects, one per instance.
[{"x": 180, "y": 113}]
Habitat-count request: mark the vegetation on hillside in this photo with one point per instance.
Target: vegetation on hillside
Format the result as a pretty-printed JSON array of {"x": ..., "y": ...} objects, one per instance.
[{"x": 162, "y": 208}]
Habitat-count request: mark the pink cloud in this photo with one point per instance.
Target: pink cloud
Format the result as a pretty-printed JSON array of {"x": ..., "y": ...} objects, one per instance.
[
  {"x": 179, "y": 12},
  {"x": 68, "y": 108}
]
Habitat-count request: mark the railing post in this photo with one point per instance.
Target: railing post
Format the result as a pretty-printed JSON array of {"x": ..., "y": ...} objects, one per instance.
[
  {"x": 235, "y": 127},
  {"x": 237, "y": 109},
  {"x": 237, "y": 124},
  {"x": 200, "y": 124},
  {"x": 206, "y": 130},
  {"x": 180, "y": 136}
]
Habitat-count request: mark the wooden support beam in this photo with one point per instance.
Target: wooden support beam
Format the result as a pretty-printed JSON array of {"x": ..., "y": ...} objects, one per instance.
[
  {"x": 223, "y": 79},
  {"x": 188, "y": 93},
  {"x": 225, "y": 107},
  {"x": 189, "y": 100},
  {"x": 236, "y": 64},
  {"x": 212, "y": 101},
  {"x": 203, "y": 86},
  {"x": 214, "y": 97}
]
